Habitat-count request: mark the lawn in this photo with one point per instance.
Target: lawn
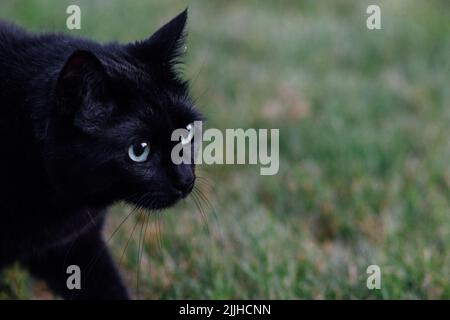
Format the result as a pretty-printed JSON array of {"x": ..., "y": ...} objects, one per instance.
[{"x": 364, "y": 151}]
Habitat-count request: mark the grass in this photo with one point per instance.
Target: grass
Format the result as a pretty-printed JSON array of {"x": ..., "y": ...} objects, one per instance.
[{"x": 364, "y": 146}]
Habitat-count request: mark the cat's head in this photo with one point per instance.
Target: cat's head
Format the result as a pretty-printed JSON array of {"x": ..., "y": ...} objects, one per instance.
[{"x": 117, "y": 107}]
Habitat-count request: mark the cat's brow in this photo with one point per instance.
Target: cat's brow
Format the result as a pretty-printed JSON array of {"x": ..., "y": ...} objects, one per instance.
[{"x": 123, "y": 67}]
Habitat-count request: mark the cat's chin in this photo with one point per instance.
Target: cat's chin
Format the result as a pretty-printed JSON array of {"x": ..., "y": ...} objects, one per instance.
[{"x": 157, "y": 201}]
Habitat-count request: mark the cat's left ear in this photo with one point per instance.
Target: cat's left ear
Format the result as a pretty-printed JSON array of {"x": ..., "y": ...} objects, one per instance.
[
  {"x": 165, "y": 46},
  {"x": 81, "y": 82}
]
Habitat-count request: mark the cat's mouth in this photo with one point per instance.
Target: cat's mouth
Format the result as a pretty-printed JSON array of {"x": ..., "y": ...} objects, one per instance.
[{"x": 159, "y": 200}]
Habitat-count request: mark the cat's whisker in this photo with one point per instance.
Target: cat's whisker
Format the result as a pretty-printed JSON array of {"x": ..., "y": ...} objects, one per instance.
[
  {"x": 159, "y": 233},
  {"x": 211, "y": 208},
  {"x": 209, "y": 204},
  {"x": 129, "y": 238},
  {"x": 204, "y": 178},
  {"x": 63, "y": 266},
  {"x": 201, "y": 210},
  {"x": 90, "y": 217},
  {"x": 140, "y": 251},
  {"x": 205, "y": 182},
  {"x": 92, "y": 262},
  {"x": 145, "y": 232},
  {"x": 157, "y": 225},
  {"x": 203, "y": 197},
  {"x": 193, "y": 80},
  {"x": 197, "y": 98}
]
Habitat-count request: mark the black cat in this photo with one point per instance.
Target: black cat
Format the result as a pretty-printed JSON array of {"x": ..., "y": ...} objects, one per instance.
[{"x": 83, "y": 125}]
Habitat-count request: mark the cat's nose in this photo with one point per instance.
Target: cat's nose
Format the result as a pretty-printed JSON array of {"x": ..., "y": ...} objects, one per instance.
[
  {"x": 183, "y": 178},
  {"x": 185, "y": 185}
]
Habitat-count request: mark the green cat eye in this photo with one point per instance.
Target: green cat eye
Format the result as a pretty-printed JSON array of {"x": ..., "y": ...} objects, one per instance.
[{"x": 138, "y": 152}]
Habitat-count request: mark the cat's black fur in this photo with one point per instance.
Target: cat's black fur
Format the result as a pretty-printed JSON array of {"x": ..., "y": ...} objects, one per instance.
[{"x": 69, "y": 110}]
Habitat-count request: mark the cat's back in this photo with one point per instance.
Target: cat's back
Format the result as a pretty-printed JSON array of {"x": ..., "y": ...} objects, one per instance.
[
  {"x": 15, "y": 68},
  {"x": 26, "y": 60},
  {"x": 25, "y": 55},
  {"x": 10, "y": 32},
  {"x": 29, "y": 67},
  {"x": 14, "y": 60},
  {"x": 11, "y": 37}
]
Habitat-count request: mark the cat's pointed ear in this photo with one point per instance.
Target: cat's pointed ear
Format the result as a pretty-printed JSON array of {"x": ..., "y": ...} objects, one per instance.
[
  {"x": 165, "y": 46},
  {"x": 82, "y": 77}
]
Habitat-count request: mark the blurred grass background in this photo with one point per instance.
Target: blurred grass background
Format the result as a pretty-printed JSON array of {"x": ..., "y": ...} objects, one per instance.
[{"x": 364, "y": 145}]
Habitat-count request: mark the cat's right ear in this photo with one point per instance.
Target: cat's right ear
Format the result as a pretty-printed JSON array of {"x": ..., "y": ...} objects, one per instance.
[
  {"x": 82, "y": 77},
  {"x": 165, "y": 47}
]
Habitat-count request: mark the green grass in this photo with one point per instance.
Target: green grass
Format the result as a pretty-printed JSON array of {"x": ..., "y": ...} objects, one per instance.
[{"x": 364, "y": 145}]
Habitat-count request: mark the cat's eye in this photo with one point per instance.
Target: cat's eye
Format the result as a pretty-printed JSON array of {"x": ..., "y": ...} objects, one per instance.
[
  {"x": 138, "y": 152},
  {"x": 190, "y": 128}
]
